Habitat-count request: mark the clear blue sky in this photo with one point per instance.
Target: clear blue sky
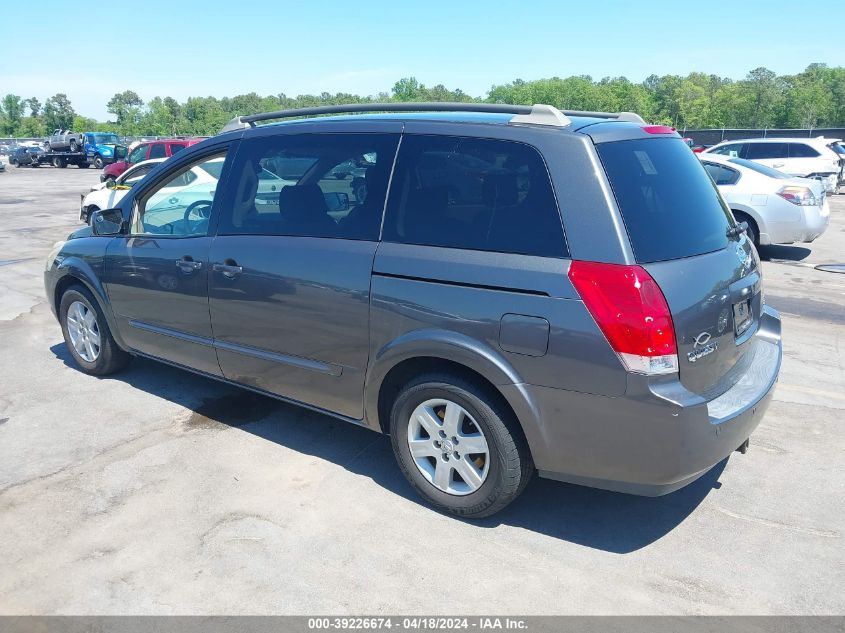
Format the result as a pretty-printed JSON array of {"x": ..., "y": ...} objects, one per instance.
[{"x": 185, "y": 48}]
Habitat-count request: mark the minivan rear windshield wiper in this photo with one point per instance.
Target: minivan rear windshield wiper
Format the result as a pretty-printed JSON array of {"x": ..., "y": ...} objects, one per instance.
[{"x": 737, "y": 229}]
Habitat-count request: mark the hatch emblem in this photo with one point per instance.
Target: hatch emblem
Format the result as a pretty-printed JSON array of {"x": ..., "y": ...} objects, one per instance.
[
  {"x": 702, "y": 339},
  {"x": 701, "y": 347}
]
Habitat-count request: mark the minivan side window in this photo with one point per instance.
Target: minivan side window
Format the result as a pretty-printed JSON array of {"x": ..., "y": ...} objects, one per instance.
[
  {"x": 757, "y": 151},
  {"x": 801, "y": 150},
  {"x": 180, "y": 206},
  {"x": 473, "y": 193},
  {"x": 175, "y": 147},
  {"x": 310, "y": 185}
]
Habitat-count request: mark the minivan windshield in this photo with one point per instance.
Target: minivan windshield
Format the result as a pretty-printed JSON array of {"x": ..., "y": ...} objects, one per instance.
[{"x": 669, "y": 204}]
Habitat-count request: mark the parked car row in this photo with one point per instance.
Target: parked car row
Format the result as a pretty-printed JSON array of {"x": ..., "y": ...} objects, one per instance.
[
  {"x": 146, "y": 150},
  {"x": 778, "y": 208},
  {"x": 23, "y": 156},
  {"x": 819, "y": 158}
]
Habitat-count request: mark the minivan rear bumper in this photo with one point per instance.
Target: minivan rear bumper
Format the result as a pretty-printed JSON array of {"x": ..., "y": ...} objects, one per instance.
[{"x": 657, "y": 438}]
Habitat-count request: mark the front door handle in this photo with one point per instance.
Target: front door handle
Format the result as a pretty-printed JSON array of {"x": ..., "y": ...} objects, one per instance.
[
  {"x": 229, "y": 268},
  {"x": 186, "y": 264}
]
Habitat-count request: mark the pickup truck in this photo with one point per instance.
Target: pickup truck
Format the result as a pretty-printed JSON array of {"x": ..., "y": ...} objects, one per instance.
[{"x": 65, "y": 139}]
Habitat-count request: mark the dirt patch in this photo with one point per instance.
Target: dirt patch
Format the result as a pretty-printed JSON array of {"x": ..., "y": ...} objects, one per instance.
[{"x": 235, "y": 409}]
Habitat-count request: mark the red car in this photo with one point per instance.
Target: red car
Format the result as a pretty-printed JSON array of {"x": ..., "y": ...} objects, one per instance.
[
  {"x": 697, "y": 149},
  {"x": 145, "y": 151}
]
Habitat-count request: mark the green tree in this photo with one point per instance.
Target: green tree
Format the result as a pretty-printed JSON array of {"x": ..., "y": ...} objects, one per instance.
[
  {"x": 58, "y": 113},
  {"x": 12, "y": 108},
  {"x": 31, "y": 127},
  {"x": 34, "y": 106},
  {"x": 126, "y": 106},
  {"x": 408, "y": 89}
]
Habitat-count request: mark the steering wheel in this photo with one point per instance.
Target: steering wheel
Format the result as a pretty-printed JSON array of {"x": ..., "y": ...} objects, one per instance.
[{"x": 201, "y": 209}]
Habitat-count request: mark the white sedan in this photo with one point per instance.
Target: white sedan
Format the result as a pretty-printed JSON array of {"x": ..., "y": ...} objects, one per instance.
[
  {"x": 198, "y": 183},
  {"x": 779, "y": 208},
  {"x": 103, "y": 197}
]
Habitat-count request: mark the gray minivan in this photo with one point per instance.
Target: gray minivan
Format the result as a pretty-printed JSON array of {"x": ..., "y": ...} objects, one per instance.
[{"x": 500, "y": 288}]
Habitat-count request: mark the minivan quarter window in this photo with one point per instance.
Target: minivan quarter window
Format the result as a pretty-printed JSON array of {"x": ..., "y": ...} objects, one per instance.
[
  {"x": 473, "y": 193},
  {"x": 310, "y": 185}
]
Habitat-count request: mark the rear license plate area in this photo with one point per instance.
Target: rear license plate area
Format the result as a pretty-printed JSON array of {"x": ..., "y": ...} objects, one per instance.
[{"x": 742, "y": 317}]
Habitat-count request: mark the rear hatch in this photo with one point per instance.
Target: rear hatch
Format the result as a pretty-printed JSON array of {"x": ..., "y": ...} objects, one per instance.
[{"x": 683, "y": 234}]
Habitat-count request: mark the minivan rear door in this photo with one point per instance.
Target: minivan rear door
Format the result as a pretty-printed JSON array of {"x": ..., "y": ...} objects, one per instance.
[{"x": 681, "y": 232}]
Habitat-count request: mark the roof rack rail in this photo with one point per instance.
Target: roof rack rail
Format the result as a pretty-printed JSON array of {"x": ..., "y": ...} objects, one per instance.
[
  {"x": 538, "y": 114},
  {"x": 633, "y": 117}
]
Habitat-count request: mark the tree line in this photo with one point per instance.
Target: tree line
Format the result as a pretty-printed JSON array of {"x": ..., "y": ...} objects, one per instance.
[{"x": 763, "y": 99}]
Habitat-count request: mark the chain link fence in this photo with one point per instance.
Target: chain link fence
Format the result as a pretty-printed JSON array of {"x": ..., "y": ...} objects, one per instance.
[{"x": 713, "y": 136}]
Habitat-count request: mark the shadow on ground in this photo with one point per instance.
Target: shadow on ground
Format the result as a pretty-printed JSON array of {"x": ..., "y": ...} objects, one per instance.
[
  {"x": 784, "y": 252},
  {"x": 598, "y": 519}
]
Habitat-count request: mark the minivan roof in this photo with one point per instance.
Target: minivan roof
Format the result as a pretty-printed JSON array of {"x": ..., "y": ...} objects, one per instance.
[
  {"x": 491, "y": 118},
  {"x": 541, "y": 115}
]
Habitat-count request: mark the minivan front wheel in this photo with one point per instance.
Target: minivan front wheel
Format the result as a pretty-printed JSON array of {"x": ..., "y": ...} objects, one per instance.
[
  {"x": 87, "y": 334},
  {"x": 458, "y": 447}
]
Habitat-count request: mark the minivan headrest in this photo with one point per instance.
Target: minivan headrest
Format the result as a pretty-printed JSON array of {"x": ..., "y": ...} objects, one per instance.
[{"x": 302, "y": 201}]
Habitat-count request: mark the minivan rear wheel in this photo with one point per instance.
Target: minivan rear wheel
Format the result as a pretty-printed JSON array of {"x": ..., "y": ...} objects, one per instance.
[
  {"x": 458, "y": 446},
  {"x": 87, "y": 334}
]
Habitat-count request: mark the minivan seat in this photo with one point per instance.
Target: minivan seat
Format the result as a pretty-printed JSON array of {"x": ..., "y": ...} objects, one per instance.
[{"x": 304, "y": 206}]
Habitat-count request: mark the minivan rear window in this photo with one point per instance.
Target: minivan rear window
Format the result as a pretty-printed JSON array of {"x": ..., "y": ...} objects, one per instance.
[{"x": 670, "y": 207}]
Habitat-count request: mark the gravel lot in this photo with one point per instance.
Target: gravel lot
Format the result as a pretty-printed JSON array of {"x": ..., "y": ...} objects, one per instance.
[{"x": 159, "y": 492}]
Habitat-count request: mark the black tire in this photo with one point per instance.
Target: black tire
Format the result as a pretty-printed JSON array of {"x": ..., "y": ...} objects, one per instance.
[
  {"x": 110, "y": 358},
  {"x": 510, "y": 467},
  {"x": 98, "y": 163},
  {"x": 91, "y": 210},
  {"x": 753, "y": 232},
  {"x": 74, "y": 146},
  {"x": 59, "y": 162}
]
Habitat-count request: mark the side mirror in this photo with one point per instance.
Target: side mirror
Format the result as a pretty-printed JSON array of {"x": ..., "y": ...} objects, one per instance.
[
  {"x": 111, "y": 184},
  {"x": 108, "y": 222}
]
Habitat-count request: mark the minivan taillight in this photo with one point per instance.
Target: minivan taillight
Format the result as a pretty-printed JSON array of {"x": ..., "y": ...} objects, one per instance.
[{"x": 631, "y": 311}]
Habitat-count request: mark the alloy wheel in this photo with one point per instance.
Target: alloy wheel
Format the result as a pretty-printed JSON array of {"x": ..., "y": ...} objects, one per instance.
[
  {"x": 83, "y": 331},
  {"x": 448, "y": 447}
]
